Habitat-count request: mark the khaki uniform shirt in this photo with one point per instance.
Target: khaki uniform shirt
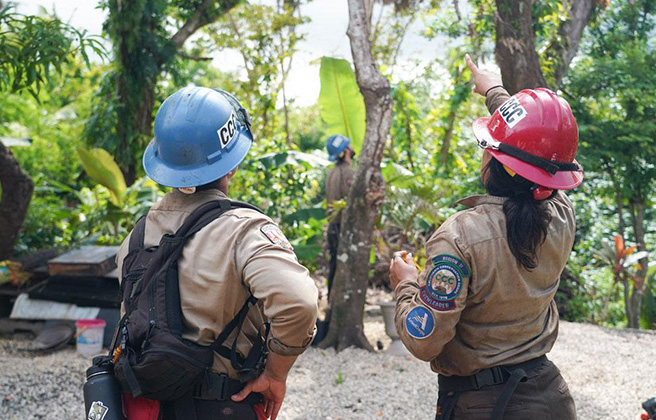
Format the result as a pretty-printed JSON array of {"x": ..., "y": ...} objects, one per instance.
[
  {"x": 221, "y": 263},
  {"x": 338, "y": 184},
  {"x": 475, "y": 306}
]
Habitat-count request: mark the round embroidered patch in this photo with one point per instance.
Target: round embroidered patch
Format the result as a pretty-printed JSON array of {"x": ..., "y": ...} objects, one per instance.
[
  {"x": 444, "y": 282},
  {"x": 419, "y": 322}
]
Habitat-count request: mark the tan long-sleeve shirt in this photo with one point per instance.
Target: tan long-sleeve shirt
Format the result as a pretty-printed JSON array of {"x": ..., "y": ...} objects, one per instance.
[
  {"x": 240, "y": 251},
  {"x": 475, "y": 306},
  {"x": 338, "y": 184}
]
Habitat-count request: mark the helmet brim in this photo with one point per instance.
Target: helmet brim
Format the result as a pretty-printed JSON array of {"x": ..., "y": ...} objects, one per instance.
[
  {"x": 181, "y": 177},
  {"x": 562, "y": 180}
]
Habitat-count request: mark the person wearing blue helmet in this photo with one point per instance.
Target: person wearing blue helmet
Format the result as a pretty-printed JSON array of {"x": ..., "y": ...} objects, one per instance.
[
  {"x": 338, "y": 184},
  {"x": 201, "y": 137}
]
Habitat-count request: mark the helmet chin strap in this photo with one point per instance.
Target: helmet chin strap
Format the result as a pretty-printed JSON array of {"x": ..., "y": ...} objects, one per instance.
[{"x": 539, "y": 192}]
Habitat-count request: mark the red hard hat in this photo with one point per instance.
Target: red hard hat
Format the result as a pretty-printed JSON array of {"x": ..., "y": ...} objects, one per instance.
[{"x": 535, "y": 135}]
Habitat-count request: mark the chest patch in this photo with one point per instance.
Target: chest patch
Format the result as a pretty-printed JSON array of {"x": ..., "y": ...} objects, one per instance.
[
  {"x": 512, "y": 112},
  {"x": 419, "y": 323},
  {"x": 444, "y": 282},
  {"x": 275, "y": 235}
]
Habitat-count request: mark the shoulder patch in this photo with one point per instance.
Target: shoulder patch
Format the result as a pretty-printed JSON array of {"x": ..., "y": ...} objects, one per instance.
[
  {"x": 419, "y": 323},
  {"x": 275, "y": 235},
  {"x": 444, "y": 282}
]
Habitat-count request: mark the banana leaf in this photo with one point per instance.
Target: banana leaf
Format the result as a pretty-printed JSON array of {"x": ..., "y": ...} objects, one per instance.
[
  {"x": 101, "y": 167},
  {"x": 342, "y": 104}
]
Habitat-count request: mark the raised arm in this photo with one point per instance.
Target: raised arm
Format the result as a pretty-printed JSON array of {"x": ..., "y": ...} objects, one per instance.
[{"x": 487, "y": 84}]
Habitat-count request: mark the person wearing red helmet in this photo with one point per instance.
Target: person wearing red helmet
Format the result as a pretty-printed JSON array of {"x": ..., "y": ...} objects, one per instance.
[{"x": 483, "y": 311}]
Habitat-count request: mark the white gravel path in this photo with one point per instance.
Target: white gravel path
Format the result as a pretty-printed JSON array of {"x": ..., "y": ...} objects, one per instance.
[{"x": 610, "y": 372}]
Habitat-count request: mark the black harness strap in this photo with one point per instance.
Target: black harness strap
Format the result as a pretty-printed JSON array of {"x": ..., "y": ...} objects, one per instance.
[
  {"x": 517, "y": 376},
  {"x": 544, "y": 164},
  {"x": 510, "y": 375}
]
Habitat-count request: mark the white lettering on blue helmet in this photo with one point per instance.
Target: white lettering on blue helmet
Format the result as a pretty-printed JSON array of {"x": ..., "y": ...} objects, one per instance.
[{"x": 228, "y": 131}]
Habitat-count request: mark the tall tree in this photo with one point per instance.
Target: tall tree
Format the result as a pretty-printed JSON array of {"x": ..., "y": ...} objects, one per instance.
[
  {"x": 515, "y": 46},
  {"x": 143, "y": 49},
  {"x": 24, "y": 66},
  {"x": 367, "y": 192}
]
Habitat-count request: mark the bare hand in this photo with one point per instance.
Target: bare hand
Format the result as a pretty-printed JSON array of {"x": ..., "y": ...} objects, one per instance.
[
  {"x": 483, "y": 79},
  {"x": 402, "y": 268},
  {"x": 272, "y": 389}
]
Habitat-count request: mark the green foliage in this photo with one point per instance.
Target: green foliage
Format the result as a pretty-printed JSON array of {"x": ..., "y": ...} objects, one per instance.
[
  {"x": 342, "y": 104},
  {"x": 32, "y": 48},
  {"x": 267, "y": 39}
]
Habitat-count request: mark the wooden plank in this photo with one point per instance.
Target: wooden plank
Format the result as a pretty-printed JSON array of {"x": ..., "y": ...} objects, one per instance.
[{"x": 85, "y": 261}]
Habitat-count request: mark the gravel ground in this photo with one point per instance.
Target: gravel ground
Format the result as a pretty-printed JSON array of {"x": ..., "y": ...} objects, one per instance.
[{"x": 610, "y": 372}]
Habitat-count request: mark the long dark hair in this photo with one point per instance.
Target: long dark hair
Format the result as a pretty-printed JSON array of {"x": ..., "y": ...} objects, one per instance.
[{"x": 527, "y": 219}]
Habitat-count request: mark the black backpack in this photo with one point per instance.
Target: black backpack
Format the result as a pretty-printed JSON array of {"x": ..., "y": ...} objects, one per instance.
[{"x": 151, "y": 359}]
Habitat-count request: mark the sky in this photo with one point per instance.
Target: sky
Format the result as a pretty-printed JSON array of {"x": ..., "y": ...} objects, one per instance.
[{"x": 325, "y": 36}]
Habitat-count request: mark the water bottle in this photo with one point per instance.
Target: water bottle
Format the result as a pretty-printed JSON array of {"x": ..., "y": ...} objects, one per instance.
[{"x": 102, "y": 394}]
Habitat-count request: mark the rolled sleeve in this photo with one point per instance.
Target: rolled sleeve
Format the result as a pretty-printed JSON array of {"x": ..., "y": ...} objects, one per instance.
[
  {"x": 495, "y": 98},
  {"x": 288, "y": 294},
  {"x": 427, "y": 312}
]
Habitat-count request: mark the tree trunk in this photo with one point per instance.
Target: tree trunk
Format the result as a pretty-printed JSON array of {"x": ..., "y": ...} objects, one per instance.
[
  {"x": 515, "y": 46},
  {"x": 570, "y": 32},
  {"x": 515, "y": 43},
  {"x": 17, "y": 190},
  {"x": 448, "y": 135},
  {"x": 637, "y": 208},
  {"x": 367, "y": 192}
]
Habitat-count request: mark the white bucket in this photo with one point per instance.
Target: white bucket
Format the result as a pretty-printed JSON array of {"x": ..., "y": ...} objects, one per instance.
[{"x": 90, "y": 333}]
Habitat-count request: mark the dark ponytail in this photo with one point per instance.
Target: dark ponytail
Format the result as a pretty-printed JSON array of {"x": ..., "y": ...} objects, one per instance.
[{"x": 527, "y": 220}]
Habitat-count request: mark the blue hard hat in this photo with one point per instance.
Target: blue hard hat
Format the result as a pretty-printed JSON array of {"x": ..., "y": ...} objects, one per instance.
[
  {"x": 336, "y": 145},
  {"x": 201, "y": 135}
]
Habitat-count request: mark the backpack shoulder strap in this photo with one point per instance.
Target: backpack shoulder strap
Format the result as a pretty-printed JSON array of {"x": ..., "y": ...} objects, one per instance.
[
  {"x": 138, "y": 234},
  {"x": 241, "y": 204},
  {"x": 209, "y": 212}
]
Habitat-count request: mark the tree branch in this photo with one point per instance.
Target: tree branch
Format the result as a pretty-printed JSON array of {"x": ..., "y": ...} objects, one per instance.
[
  {"x": 194, "y": 57},
  {"x": 205, "y": 13}
]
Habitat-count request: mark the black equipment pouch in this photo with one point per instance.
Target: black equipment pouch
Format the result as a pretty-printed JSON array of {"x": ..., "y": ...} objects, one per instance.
[{"x": 151, "y": 358}]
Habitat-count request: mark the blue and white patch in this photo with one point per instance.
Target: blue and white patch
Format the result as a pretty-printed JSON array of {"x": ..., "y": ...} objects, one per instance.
[
  {"x": 444, "y": 282},
  {"x": 512, "y": 112},
  {"x": 419, "y": 323}
]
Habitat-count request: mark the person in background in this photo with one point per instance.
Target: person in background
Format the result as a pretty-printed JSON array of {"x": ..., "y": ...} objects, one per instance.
[
  {"x": 483, "y": 312},
  {"x": 338, "y": 184}
]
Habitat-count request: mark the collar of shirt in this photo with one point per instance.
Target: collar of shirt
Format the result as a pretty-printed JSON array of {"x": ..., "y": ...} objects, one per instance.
[
  {"x": 476, "y": 200},
  {"x": 177, "y": 200}
]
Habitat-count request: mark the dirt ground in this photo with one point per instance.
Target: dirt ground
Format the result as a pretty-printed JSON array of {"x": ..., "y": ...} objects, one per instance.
[{"x": 610, "y": 372}]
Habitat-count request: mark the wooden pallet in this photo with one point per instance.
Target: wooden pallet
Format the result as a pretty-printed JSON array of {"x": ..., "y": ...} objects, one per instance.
[{"x": 95, "y": 261}]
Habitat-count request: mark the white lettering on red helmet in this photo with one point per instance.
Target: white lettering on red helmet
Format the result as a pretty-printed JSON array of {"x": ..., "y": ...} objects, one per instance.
[
  {"x": 512, "y": 112},
  {"x": 228, "y": 131}
]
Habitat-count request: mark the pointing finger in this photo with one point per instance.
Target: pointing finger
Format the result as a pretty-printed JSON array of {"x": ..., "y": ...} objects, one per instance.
[{"x": 471, "y": 64}]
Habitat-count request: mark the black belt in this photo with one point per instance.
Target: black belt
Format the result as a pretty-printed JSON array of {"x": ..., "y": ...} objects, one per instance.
[
  {"x": 218, "y": 387},
  {"x": 511, "y": 375}
]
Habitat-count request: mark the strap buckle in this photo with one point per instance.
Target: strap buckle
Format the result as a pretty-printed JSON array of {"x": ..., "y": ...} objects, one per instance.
[
  {"x": 489, "y": 144},
  {"x": 213, "y": 387},
  {"x": 488, "y": 377}
]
